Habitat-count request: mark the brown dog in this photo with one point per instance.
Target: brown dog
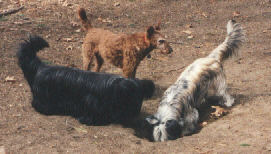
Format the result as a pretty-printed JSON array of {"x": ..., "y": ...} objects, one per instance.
[{"x": 122, "y": 50}]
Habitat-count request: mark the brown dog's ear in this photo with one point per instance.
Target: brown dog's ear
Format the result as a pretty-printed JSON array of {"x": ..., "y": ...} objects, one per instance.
[
  {"x": 157, "y": 27},
  {"x": 150, "y": 32}
]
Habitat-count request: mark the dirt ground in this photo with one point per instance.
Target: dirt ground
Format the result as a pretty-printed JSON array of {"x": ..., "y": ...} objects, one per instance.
[{"x": 194, "y": 28}]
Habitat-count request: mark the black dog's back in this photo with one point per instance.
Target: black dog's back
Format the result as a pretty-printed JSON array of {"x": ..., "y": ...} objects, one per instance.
[{"x": 68, "y": 91}]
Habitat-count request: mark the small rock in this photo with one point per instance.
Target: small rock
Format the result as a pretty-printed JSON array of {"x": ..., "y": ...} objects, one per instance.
[{"x": 197, "y": 46}]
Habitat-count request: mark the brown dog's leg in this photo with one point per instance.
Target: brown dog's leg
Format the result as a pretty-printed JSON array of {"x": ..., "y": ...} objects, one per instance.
[
  {"x": 87, "y": 59},
  {"x": 88, "y": 54},
  {"x": 98, "y": 63},
  {"x": 129, "y": 71},
  {"x": 129, "y": 67}
]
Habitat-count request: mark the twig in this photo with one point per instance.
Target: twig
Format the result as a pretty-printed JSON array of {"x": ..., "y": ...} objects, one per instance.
[
  {"x": 11, "y": 11},
  {"x": 174, "y": 69},
  {"x": 176, "y": 42}
]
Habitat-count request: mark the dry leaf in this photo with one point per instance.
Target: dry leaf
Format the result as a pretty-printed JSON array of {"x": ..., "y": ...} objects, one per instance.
[
  {"x": 13, "y": 29},
  {"x": 18, "y": 23},
  {"x": 187, "y": 32},
  {"x": 105, "y": 20},
  {"x": 117, "y": 4},
  {"x": 99, "y": 18},
  {"x": 80, "y": 129},
  {"x": 2, "y": 150},
  {"x": 219, "y": 111},
  {"x": 204, "y": 14},
  {"x": 67, "y": 39},
  {"x": 204, "y": 124},
  {"x": 69, "y": 48},
  {"x": 189, "y": 26},
  {"x": 10, "y": 79},
  {"x": 74, "y": 24},
  {"x": 66, "y": 4},
  {"x": 190, "y": 37},
  {"x": 162, "y": 58},
  {"x": 78, "y": 30},
  {"x": 236, "y": 14}
]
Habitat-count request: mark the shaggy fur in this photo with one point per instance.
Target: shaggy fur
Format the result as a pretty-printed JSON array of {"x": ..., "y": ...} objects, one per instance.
[
  {"x": 177, "y": 114},
  {"x": 96, "y": 97},
  {"x": 125, "y": 51}
]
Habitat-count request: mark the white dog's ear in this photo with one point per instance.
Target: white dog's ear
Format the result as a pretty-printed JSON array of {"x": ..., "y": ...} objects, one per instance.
[{"x": 152, "y": 120}]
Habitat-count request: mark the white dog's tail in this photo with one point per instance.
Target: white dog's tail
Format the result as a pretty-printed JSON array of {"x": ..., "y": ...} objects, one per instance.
[{"x": 235, "y": 38}]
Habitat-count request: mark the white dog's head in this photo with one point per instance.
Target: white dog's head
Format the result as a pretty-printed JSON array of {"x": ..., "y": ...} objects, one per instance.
[{"x": 162, "y": 130}]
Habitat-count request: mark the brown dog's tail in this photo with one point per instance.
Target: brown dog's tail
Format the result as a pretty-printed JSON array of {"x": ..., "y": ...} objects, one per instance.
[{"x": 83, "y": 17}]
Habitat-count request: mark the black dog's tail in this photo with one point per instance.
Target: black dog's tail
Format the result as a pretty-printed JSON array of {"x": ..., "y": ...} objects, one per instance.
[
  {"x": 147, "y": 88},
  {"x": 27, "y": 59}
]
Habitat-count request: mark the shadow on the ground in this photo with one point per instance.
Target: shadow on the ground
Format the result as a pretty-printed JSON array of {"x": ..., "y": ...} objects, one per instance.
[{"x": 159, "y": 91}]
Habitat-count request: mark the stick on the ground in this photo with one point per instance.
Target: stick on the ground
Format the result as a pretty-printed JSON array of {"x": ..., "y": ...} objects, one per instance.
[
  {"x": 174, "y": 69},
  {"x": 11, "y": 11},
  {"x": 176, "y": 42}
]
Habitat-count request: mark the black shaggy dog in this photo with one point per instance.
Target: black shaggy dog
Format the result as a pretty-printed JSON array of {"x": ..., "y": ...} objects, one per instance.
[{"x": 94, "y": 98}]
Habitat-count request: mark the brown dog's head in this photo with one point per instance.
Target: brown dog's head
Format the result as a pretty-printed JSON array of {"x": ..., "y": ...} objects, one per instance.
[{"x": 157, "y": 40}]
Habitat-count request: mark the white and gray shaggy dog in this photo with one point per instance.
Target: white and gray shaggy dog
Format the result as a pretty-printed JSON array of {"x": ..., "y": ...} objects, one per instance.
[{"x": 177, "y": 114}]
